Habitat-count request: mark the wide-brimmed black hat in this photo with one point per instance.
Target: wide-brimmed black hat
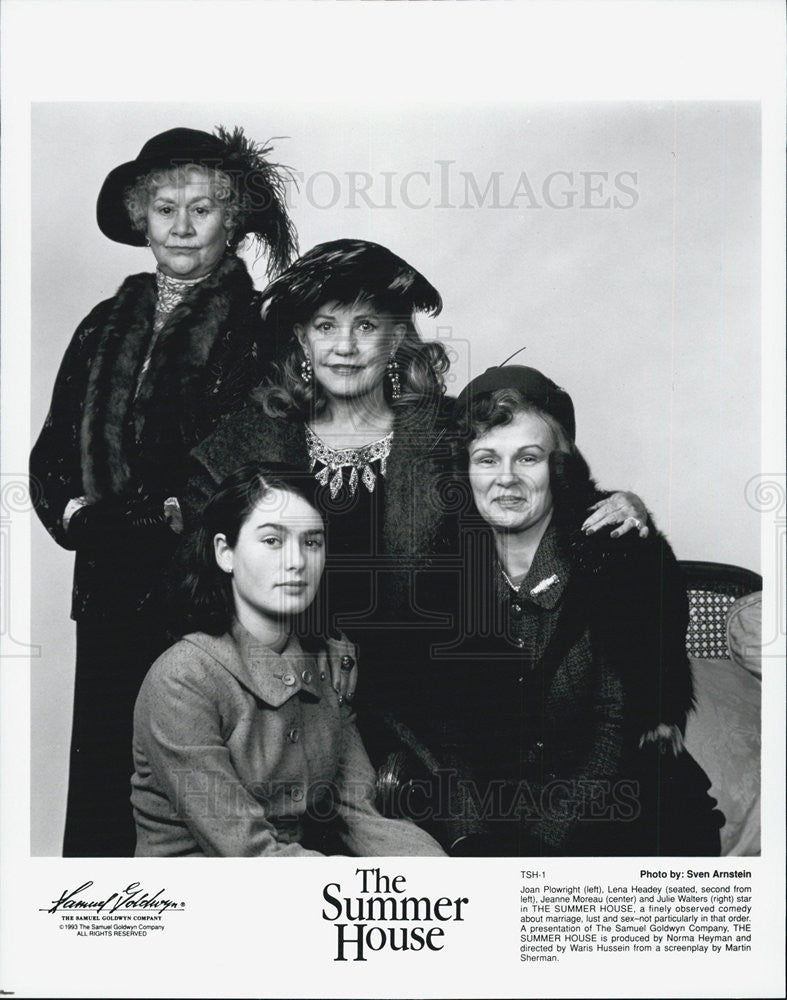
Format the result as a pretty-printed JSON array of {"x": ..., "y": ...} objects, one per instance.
[
  {"x": 339, "y": 271},
  {"x": 534, "y": 386},
  {"x": 260, "y": 184}
]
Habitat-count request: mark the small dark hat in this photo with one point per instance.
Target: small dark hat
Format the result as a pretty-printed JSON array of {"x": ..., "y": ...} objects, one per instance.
[
  {"x": 337, "y": 272},
  {"x": 262, "y": 185},
  {"x": 531, "y": 383}
]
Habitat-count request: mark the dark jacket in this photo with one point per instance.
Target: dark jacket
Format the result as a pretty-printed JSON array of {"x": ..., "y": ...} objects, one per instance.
[
  {"x": 550, "y": 687},
  {"x": 124, "y": 445}
]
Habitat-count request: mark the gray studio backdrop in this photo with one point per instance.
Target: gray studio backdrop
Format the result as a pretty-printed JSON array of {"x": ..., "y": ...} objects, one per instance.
[{"x": 618, "y": 243}]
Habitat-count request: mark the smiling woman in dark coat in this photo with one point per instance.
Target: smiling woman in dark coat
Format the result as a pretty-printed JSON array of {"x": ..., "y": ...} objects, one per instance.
[{"x": 569, "y": 695}]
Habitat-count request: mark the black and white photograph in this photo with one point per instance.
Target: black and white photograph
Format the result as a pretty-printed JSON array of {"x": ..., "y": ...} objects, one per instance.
[{"x": 398, "y": 481}]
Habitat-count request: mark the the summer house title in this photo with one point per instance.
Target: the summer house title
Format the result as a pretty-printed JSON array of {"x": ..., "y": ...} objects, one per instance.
[{"x": 383, "y": 918}]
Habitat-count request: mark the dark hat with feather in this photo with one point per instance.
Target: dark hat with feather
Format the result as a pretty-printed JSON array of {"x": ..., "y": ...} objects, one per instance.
[
  {"x": 260, "y": 186},
  {"x": 344, "y": 271}
]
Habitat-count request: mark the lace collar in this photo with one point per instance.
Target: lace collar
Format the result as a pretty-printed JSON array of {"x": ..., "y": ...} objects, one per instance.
[
  {"x": 334, "y": 461},
  {"x": 170, "y": 292}
]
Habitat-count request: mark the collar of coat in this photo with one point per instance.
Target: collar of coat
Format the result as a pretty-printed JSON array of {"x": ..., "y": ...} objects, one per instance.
[
  {"x": 272, "y": 677},
  {"x": 168, "y": 400},
  {"x": 547, "y": 577}
]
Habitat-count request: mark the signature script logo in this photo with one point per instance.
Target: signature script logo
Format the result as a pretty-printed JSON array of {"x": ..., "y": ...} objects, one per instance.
[{"x": 133, "y": 897}]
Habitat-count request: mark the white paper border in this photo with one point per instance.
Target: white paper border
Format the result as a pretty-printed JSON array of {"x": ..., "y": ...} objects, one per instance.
[{"x": 465, "y": 53}]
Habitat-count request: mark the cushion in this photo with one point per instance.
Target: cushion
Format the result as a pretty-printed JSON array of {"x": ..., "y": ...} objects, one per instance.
[
  {"x": 723, "y": 736},
  {"x": 744, "y": 632}
]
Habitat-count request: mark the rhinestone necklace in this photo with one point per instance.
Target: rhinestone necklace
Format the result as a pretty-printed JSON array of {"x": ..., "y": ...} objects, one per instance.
[{"x": 335, "y": 460}]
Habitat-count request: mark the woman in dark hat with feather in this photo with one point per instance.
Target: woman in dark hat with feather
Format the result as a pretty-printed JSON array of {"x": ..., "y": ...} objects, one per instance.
[{"x": 146, "y": 376}]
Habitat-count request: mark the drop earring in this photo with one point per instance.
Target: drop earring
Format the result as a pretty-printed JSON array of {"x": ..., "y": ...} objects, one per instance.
[
  {"x": 306, "y": 370},
  {"x": 393, "y": 375}
]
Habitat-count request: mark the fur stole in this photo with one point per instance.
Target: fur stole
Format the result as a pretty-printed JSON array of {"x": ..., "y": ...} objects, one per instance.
[
  {"x": 162, "y": 420},
  {"x": 634, "y": 597},
  {"x": 415, "y": 502}
]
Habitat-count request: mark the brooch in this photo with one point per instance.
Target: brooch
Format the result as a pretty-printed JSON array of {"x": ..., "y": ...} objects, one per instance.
[{"x": 544, "y": 585}]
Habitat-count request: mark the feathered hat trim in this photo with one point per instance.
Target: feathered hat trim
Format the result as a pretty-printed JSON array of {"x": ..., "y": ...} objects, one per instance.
[
  {"x": 343, "y": 271},
  {"x": 260, "y": 185}
]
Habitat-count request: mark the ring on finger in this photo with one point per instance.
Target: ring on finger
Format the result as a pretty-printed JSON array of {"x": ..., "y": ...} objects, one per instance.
[{"x": 346, "y": 664}]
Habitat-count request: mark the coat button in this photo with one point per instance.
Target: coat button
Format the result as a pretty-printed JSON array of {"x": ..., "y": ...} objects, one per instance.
[
  {"x": 306, "y": 676},
  {"x": 516, "y": 610},
  {"x": 293, "y": 735},
  {"x": 519, "y": 642},
  {"x": 539, "y": 745},
  {"x": 288, "y": 680},
  {"x": 297, "y": 794},
  {"x": 322, "y": 675}
]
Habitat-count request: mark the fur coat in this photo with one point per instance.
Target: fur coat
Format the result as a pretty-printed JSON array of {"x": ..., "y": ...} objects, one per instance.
[{"x": 116, "y": 439}]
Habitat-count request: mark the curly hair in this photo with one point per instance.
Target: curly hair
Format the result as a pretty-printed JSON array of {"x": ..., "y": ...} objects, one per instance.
[
  {"x": 200, "y": 593},
  {"x": 422, "y": 366},
  {"x": 499, "y": 407},
  {"x": 137, "y": 197},
  {"x": 346, "y": 273}
]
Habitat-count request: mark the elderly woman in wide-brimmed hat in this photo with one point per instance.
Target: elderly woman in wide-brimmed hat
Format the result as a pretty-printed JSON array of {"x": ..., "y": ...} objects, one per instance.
[{"x": 146, "y": 376}]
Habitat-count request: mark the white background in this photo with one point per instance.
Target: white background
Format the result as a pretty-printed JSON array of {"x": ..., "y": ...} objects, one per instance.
[{"x": 650, "y": 316}]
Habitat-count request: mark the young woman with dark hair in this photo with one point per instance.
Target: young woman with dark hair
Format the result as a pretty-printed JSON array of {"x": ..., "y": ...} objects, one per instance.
[{"x": 242, "y": 747}]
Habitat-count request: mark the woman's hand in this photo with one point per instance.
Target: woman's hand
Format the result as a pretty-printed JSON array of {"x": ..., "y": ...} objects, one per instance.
[
  {"x": 623, "y": 509},
  {"x": 94, "y": 523},
  {"x": 667, "y": 737},
  {"x": 343, "y": 664},
  {"x": 173, "y": 515}
]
